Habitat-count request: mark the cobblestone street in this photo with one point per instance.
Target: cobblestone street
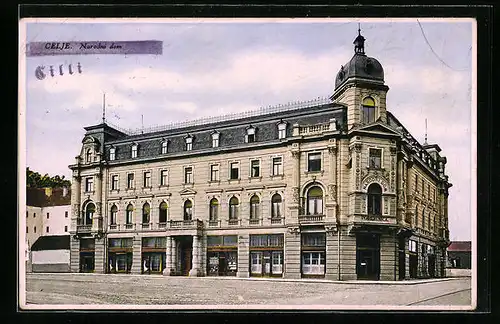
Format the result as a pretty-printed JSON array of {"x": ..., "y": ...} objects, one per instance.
[{"x": 158, "y": 290}]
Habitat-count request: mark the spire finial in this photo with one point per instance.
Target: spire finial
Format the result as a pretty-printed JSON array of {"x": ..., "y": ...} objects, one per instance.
[
  {"x": 104, "y": 107},
  {"x": 359, "y": 42},
  {"x": 425, "y": 139}
]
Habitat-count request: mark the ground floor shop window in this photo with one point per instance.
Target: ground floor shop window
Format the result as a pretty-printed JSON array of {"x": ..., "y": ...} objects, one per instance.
[
  {"x": 266, "y": 254},
  {"x": 313, "y": 263},
  {"x": 222, "y": 263},
  {"x": 153, "y": 262},
  {"x": 120, "y": 262},
  {"x": 368, "y": 256}
]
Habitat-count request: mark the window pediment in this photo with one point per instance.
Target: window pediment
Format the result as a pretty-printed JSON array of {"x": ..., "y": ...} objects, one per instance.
[{"x": 187, "y": 191}]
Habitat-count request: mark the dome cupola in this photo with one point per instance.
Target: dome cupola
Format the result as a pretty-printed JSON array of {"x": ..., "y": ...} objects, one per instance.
[{"x": 360, "y": 66}]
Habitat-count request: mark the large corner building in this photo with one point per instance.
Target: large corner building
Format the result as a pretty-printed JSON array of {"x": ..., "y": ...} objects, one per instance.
[{"x": 334, "y": 189}]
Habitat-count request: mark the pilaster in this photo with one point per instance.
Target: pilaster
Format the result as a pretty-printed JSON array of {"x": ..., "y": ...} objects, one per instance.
[
  {"x": 136, "y": 255},
  {"x": 243, "y": 255},
  {"x": 292, "y": 253}
]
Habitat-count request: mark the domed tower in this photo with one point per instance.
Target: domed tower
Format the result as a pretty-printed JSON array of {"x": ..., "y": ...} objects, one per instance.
[{"x": 359, "y": 84}]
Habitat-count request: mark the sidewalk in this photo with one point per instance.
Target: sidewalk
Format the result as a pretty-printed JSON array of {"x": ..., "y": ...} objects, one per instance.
[{"x": 302, "y": 280}]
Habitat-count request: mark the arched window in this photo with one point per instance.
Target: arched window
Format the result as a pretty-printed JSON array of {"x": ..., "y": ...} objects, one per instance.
[
  {"x": 368, "y": 110},
  {"x": 315, "y": 201},
  {"x": 163, "y": 212},
  {"x": 146, "y": 211},
  {"x": 254, "y": 207},
  {"x": 233, "y": 208},
  {"x": 129, "y": 214},
  {"x": 276, "y": 206},
  {"x": 88, "y": 156},
  {"x": 89, "y": 214},
  {"x": 113, "y": 216},
  {"x": 374, "y": 199},
  {"x": 188, "y": 210},
  {"x": 214, "y": 209}
]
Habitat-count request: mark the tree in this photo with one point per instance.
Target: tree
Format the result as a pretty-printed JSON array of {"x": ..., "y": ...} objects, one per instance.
[{"x": 36, "y": 180}]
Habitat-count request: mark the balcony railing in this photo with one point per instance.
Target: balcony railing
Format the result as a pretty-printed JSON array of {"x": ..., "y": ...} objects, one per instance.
[
  {"x": 313, "y": 129},
  {"x": 311, "y": 218},
  {"x": 162, "y": 225},
  {"x": 255, "y": 221},
  {"x": 84, "y": 228},
  {"x": 185, "y": 224},
  {"x": 277, "y": 220},
  {"x": 233, "y": 222},
  {"x": 129, "y": 226},
  {"x": 214, "y": 223},
  {"x": 114, "y": 227},
  {"x": 146, "y": 226}
]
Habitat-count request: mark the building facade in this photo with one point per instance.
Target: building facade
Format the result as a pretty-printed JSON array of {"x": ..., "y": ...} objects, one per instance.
[{"x": 334, "y": 189}]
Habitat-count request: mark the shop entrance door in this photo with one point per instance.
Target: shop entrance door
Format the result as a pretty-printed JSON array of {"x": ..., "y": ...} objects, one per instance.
[
  {"x": 267, "y": 264},
  {"x": 368, "y": 256},
  {"x": 186, "y": 256},
  {"x": 432, "y": 265},
  {"x": 87, "y": 262},
  {"x": 402, "y": 265},
  {"x": 413, "y": 265}
]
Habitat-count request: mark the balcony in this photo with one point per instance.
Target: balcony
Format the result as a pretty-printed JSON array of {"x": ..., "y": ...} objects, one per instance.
[
  {"x": 305, "y": 219},
  {"x": 162, "y": 225},
  {"x": 185, "y": 224},
  {"x": 255, "y": 221},
  {"x": 277, "y": 220},
  {"x": 314, "y": 129},
  {"x": 84, "y": 228}
]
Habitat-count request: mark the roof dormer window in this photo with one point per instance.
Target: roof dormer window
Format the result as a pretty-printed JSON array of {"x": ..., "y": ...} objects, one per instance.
[
  {"x": 282, "y": 130},
  {"x": 164, "y": 147},
  {"x": 112, "y": 154},
  {"x": 215, "y": 139},
  {"x": 250, "y": 136},
  {"x": 88, "y": 156},
  {"x": 134, "y": 150},
  {"x": 189, "y": 143}
]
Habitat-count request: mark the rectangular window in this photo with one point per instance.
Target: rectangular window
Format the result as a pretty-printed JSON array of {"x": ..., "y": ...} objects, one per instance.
[
  {"x": 65, "y": 228},
  {"x": 112, "y": 154},
  {"x": 89, "y": 184},
  {"x": 416, "y": 182},
  {"x": 277, "y": 166},
  {"x": 188, "y": 175},
  {"x": 255, "y": 168},
  {"x": 134, "y": 151},
  {"x": 423, "y": 187},
  {"x": 164, "y": 147},
  {"x": 130, "y": 180},
  {"x": 34, "y": 215},
  {"x": 48, "y": 215},
  {"x": 26, "y": 229},
  {"x": 314, "y": 162},
  {"x": 114, "y": 182},
  {"x": 27, "y": 214},
  {"x": 434, "y": 194},
  {"x": 375, "y": 161},
  {"x": 34, "y": 229},
  {"x": 429, "y": 190},
  {"x": 163, "y": 177},
  {"x": 281, "y": 130},
  {"x": 66, "y": 214},
  {"x": 47, "y": 229},
  {"x": 250, "y": 138},
  {"x": 234, "y": 170},
  {"x": 214, "y": 172},
  {"x": 147, "y": 179}
]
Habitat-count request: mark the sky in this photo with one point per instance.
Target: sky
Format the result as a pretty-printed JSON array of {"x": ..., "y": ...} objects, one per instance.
[{"x": 214, "y": 67}]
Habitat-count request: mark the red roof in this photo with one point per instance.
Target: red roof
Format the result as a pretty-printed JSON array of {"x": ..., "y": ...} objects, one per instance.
[{"x": 460, "y": 246}]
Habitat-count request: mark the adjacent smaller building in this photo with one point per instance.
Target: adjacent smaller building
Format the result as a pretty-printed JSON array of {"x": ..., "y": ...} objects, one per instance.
[
  {"x": 459, "y": 255},
  {"x": 51, "y": 254}
]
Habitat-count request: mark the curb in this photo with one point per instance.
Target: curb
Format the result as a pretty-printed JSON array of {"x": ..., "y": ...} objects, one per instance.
[{"x": 345, "y": 282}]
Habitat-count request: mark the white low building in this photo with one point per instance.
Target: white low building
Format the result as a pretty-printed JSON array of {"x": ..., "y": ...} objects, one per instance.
[{"x": 51, "y": 254}]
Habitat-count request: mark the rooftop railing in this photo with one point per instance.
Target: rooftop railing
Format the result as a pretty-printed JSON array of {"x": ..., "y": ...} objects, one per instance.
[{"x": 228, "y": 117}]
